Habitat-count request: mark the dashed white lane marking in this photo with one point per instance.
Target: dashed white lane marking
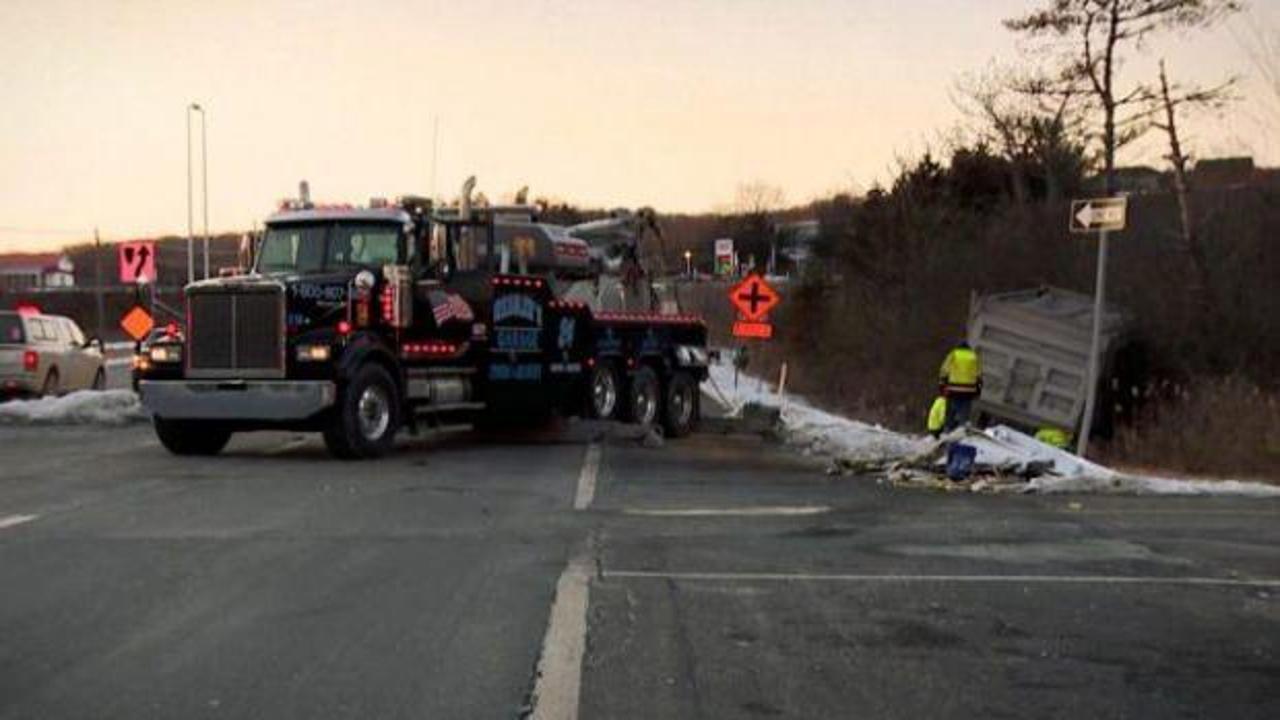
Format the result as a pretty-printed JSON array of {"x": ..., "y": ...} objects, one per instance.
[
  {"x": 730, "y": 512},
  {"x": 9, "y": 521},
  {"x": 559, "y": 681},
  {"x": 587, "y": 478},
  {"x": 851, "y": 578}
]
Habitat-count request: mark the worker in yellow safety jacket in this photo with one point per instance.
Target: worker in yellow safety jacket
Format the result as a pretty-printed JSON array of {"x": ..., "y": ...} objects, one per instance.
[
  {"x": 961, "y": 380},
  {"x": 937, "y": 416}
]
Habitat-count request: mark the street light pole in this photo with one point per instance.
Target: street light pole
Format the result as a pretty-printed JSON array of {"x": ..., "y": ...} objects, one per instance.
[
  {"x": 204, "y": 183},
  {"x": 191, "y": 262}
]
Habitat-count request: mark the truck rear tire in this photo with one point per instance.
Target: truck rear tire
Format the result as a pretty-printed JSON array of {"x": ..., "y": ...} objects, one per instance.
[
  {"x": 365, "y": 419},
  {"x": 644, "y": 401},
  {"x": 191, "y": 437},
  {"x": 682, "y": 405},
  {"x": 605, "y": 391}
]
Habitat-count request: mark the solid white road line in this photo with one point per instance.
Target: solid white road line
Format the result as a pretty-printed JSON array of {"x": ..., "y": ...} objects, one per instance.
[
  {"x": 587, "y": 478},
  {"x": 9, "y": 521},
  {"x": 730, "y": 512},
  {"x": 851, "y": 578},
  {"x": 559, "y": 682}
]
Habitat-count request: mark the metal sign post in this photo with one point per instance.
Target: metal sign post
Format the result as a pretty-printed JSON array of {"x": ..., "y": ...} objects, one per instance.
[
  {"x": 1091, "y": 396},
  {"x": 1102, "y": 216}
]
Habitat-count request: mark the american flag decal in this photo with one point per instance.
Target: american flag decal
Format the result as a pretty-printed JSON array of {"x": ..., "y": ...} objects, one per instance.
[{"x": 447, "y": 306}]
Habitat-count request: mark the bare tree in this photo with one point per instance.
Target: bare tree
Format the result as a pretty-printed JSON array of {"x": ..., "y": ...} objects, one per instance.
[
  {"x": 1260, "y": 40},
  {"x": 1170, "y": 100},
  {"x": 1098, "y": 32},
  {"x": 758, "y": 197},
  {"x": 1034, "y": 130}
]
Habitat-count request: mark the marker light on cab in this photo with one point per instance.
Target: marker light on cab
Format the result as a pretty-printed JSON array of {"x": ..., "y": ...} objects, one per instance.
[{"x": 313, "y": 353}]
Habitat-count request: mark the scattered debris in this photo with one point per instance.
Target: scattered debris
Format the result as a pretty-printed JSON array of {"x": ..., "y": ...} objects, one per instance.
[
  {"x": 652, "y": 437},
  {"x": 1006, "y": 460}
]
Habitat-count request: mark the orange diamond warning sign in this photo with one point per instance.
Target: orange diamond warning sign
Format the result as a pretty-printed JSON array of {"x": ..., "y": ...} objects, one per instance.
[
  {"x": 137, "y": 322},
  {"x": 754, "y": 298}
]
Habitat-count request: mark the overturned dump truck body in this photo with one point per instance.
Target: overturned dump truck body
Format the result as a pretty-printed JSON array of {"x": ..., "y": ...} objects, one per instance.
[{"x": 1034, "y": 346}]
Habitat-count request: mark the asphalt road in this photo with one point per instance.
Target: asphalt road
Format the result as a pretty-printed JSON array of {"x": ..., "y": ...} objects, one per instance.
[{"x": 721, "y": 577}]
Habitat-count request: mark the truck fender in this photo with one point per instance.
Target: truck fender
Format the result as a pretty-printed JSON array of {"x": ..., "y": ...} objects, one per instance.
[{"x": 362, "y": 348}]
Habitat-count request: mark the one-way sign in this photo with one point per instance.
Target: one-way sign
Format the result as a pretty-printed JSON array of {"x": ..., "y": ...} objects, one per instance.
[{"x": 1098, "y": 214}]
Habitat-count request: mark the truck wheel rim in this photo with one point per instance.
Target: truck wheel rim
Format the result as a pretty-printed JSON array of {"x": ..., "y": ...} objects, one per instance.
[
  {"x": 645, "y": 405},
  {"x": 373, "y": 412},
  {"x": 604, "y": 393},
  {"x": 682, "y": 405}
]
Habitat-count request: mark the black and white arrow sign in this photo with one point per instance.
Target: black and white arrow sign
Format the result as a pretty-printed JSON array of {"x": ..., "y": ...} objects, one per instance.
[{"x": 1099, "y": 214}]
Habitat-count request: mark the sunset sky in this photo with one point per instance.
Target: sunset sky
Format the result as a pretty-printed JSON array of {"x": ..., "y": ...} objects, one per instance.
[{"x": 670, "y": 103}]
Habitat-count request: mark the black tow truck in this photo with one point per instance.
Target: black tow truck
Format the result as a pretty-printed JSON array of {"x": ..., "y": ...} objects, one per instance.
[{"x": 357, "y": 322}]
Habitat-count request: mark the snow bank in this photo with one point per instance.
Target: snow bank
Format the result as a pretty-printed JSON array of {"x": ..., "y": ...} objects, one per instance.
[
  {"x": 855, "y": 442},
  {"x": 84, "y": 407},
  {"x": 1147, "y": 485},
  {"x": 818, "y": 431}
]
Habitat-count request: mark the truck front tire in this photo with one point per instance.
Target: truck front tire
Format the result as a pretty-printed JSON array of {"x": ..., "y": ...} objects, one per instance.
[
  {"x": 681, "y": 407},
  {"x": 366, "y": 416},
  {"x": 191, "y": 437}
]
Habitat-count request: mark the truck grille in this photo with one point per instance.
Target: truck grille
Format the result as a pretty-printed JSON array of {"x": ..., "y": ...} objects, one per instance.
[{"x": 236, "y": 332}]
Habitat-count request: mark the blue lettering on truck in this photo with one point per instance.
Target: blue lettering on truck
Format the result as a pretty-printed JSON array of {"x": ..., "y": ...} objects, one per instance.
[
  {"x": 517, "y": 306},
  {"x": 509, "y": 339},
  {"x": 526, "y": 372}
]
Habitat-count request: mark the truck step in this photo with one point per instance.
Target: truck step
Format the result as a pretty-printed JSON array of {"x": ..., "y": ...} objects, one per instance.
[
  {"x": 447, "y": 407},
  {"x": 440, "y": 371}
]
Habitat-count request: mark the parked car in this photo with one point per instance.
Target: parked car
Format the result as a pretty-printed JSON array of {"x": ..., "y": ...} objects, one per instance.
[{"x": 47, "y": 355}]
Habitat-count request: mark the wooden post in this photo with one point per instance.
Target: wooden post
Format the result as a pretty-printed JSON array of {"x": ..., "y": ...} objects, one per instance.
[{"x": 782, "y": 387}]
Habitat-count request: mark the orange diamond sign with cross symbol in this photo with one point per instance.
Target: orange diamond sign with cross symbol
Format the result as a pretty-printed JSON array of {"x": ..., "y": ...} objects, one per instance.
[
  {"x": 754, "y": 298},
  {"x": 137, "y": 322}
]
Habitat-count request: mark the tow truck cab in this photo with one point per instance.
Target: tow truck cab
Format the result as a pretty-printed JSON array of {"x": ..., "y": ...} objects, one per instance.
[{"x": 355, "y": 322}]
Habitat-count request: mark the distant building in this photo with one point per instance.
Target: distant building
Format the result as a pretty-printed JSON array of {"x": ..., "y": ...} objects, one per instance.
[
  {"x": 1224, "y": 172},
  {"x": 1133, "y": 180},
  {"x": 36, "y": 271},
  {"x": 795, "y": 242}
]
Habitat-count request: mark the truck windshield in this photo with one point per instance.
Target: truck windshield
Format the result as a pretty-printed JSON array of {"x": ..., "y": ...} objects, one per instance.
[
  {"x": 11, "y": 330},
  {"x": 316, "y": 248}
]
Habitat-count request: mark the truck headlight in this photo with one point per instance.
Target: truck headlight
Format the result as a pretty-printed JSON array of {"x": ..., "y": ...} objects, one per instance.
[
  {"x": 313, "y": 353},
  {"x": 165, "y": 353}
]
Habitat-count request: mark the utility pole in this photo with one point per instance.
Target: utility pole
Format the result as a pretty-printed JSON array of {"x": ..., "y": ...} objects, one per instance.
[
  {"x": 435, "y": 152},
  {"x": 97, "y": 283}
]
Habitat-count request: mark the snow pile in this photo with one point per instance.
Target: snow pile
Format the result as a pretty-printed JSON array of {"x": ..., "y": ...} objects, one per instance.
[
  {"x": 855, "y": 444},
  {"x": 815, "y": 430},
  {"x": 83, "y": 407}
]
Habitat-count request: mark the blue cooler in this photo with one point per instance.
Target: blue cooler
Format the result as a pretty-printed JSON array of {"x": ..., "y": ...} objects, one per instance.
[{"x": 960, "y": 461}]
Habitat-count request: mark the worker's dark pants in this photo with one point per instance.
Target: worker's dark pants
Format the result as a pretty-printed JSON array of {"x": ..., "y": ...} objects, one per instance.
[{"x": 959, "y": 406}]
